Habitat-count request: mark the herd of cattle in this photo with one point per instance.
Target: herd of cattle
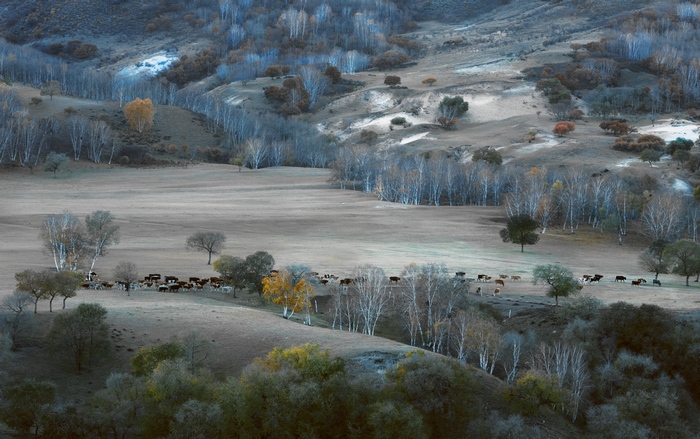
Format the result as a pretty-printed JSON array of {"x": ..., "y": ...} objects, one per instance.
[
  {"x": 165, "y": 284},
  {"x": 172, "y": 284}
]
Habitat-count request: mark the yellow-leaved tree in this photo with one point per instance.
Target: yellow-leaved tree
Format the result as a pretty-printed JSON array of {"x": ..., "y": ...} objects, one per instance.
[
  {"x": 139, "y": 113},
  {"x": 278, "y": 289}
]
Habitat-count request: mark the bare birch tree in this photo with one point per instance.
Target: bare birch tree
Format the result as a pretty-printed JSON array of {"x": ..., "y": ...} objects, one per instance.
[
  {"x": 77, "y": 127},
  {"x": 63, "y": 236},
  {"x": 315, "y": 82},
  {"x": 101, "y": 233},
  {"x": 661, "y": 218},
  {"x": 373, "y": 295},
  {"x": 512, "y": 347},
  {"x": 100, "y": 134}
]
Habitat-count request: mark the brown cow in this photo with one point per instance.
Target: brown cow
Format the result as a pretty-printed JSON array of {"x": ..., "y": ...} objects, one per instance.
[
  {"x": 515, "y": 278},
  {"x": 394, "y": 279},
  {"x": 636, "y": 283},
  {"x": 497, "y": 292},
  {"x": 500, "y": 282}
]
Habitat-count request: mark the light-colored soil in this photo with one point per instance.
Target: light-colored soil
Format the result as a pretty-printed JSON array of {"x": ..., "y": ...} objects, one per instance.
[
  {"x": 293, "y": 214},
  {"x": 296, "y": 216}
]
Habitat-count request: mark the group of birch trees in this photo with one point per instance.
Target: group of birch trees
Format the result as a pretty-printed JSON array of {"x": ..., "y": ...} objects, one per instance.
[
  {"x": 437, "y": 315},
  {"x": 25, "y": 139},
  {"x": 660, "y": 38},
  {"x": 567, "y": 198},
  {"x": 69, "y": 240},
  {"x": 276, "y": 140}
]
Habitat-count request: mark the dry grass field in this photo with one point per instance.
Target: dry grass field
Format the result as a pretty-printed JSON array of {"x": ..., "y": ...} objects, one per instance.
[{"x": 296, "y": 216}]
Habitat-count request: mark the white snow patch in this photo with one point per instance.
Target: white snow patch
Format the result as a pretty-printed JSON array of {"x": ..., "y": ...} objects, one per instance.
[
  {"x": 379, "y": 101},
  {"x": 498, "y": 66},
  {"x": 550, "y": 143},
  {"x": 682, "y": 186},
  {"x": 381, "y": 124},
  {"x": 627, "y": 162},
  {"x": 392, "y": 206},
  {"x": 234, "y": 100},
  {"x": 410, "y": 139},
  {"x": 670, "y": 129},
  {"x": 150, "y": 66}
]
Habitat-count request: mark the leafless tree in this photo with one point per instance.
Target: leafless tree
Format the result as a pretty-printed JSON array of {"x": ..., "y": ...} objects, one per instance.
[
  {"x": 210, "y": 242},
  {"x": 373, "y": 295},
  {"x": 101, "y": 232},
  {"x": 197, "y": 350},
  {"x": 578, "y": 382},
  {"x": 100, "y": 134},
  {"x": 77, "y": 127},
  {"x": 484, "y": 339},
  {"x": 459, "y": 335},
  {"x": 296, "y": 21},
  {"x": 661, "y": 218},
  {"x": 29, "y": 136},
  {"x": 560, "y": 110},
  {"x": 315, "y": 82},
  {"x": 512, "y": 344},
  {"x": 567, "y": 364},
  {"x": 63, "y": 236},
  {"x": 14, "y": 315},
  {"x": 256, "y": 151},
  {"x": 412, "y": 303},
  {"x": 128, "y": 273}
]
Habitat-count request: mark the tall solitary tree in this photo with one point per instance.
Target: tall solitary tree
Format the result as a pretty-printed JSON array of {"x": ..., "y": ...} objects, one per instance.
[
  {"x": 51, "y": 88},
  {"x": 101, "y": 233},
  {"x": 652, "y": 260},
  {"x": 139, "y": 113},
  {"x": 81, "y": 333},
  {"x": 560, "y": 280},
  {"x": 520, "y": 230},
  {"x": 210, "y": 242},
  {"x": 684, "y": 258},
  {"x": 127, "y": 273}
]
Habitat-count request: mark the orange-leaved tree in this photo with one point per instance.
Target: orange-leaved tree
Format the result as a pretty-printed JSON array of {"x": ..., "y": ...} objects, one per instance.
[
  {"x": 139, "y": 113},
  {"x": 278, "y": 289},
  {"x": 562, "y": 128}
]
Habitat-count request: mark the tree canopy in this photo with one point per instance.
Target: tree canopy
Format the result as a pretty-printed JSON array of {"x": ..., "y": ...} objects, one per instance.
[
  {"x": 258, "y": 266},
  {"x": 684, "y": 258},
  {"x": 81, "y": 334},
  {"x": 139, "y": 113},
  {"x": 283, "y": 289},
  {"x": 520, "y": 230},
  {"x": 210, "y": 242},
  {"x": 561, "y": 280},
  {"x": 233, "y": 271}
]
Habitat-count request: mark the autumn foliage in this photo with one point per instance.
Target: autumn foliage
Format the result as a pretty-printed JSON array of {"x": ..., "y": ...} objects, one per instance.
[
  {"x": 278, "y": 289},
  {"x": 139, "y": 113},
  {"x": 563, "y": 128}
]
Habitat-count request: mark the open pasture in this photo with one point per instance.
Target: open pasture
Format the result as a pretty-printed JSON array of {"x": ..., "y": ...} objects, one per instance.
[{"x": 296, "y": 216}]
